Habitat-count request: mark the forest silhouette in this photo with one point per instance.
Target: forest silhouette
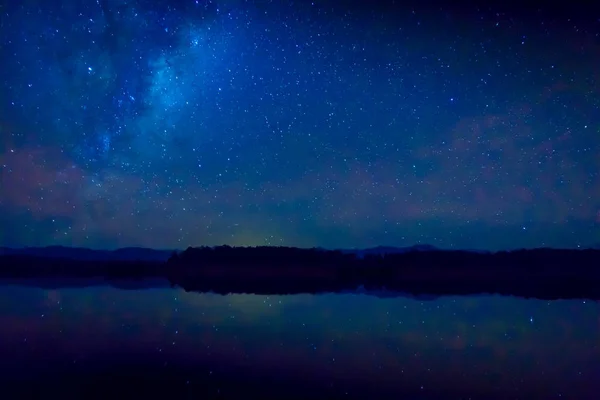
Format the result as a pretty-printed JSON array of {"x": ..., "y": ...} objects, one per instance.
[{"x": 543, "y": 273}]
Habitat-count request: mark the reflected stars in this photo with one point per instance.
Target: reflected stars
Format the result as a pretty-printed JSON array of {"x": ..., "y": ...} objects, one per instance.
[{"x": 345, "y": 335}]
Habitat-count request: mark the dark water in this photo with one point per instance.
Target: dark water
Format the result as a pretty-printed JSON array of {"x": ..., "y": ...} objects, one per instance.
[{"x": 102, "y": 341}]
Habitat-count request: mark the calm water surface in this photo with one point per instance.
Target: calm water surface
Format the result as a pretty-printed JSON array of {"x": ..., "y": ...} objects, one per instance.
[{"x": 100, "y": 341}]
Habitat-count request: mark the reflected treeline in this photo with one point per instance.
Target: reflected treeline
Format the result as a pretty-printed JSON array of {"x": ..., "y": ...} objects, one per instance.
[{"x": 543, "y": 273}]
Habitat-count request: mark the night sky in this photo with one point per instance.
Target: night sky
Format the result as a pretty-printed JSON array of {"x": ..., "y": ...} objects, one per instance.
[{"x": 334, "y": 124}]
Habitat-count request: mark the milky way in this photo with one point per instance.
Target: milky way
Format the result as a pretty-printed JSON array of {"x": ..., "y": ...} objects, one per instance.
[{"x": 329, "y": 124}]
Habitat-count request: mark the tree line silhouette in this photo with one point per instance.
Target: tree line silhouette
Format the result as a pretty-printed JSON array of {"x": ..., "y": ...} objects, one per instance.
[
  {"x": 546, "y": 260},
  {"x": 536, "y": 272},
  {"x": 544, "y": 273}
]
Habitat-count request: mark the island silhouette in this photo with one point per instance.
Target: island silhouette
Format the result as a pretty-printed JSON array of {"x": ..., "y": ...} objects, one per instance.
[{"x": 421, "y": 270}]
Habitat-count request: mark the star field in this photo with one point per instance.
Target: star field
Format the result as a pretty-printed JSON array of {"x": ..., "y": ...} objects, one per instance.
[{"x": 334, "y": 124}]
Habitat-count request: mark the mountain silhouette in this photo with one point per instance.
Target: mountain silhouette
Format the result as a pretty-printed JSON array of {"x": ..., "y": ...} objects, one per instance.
[{"x": 85, "y": 254}]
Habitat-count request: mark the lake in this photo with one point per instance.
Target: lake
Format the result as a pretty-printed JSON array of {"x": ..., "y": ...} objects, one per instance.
[{"x": 98, "y": 341}]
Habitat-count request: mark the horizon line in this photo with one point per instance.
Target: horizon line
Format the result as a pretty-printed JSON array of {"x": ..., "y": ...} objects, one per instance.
[{"x": 578, "y": 247}]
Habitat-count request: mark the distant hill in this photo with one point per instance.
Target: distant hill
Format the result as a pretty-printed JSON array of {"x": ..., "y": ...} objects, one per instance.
[{"x": 84, "y": 254}]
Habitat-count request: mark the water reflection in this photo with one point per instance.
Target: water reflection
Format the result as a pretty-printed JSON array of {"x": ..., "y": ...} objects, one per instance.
[{"x": 88, "y": 339}]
